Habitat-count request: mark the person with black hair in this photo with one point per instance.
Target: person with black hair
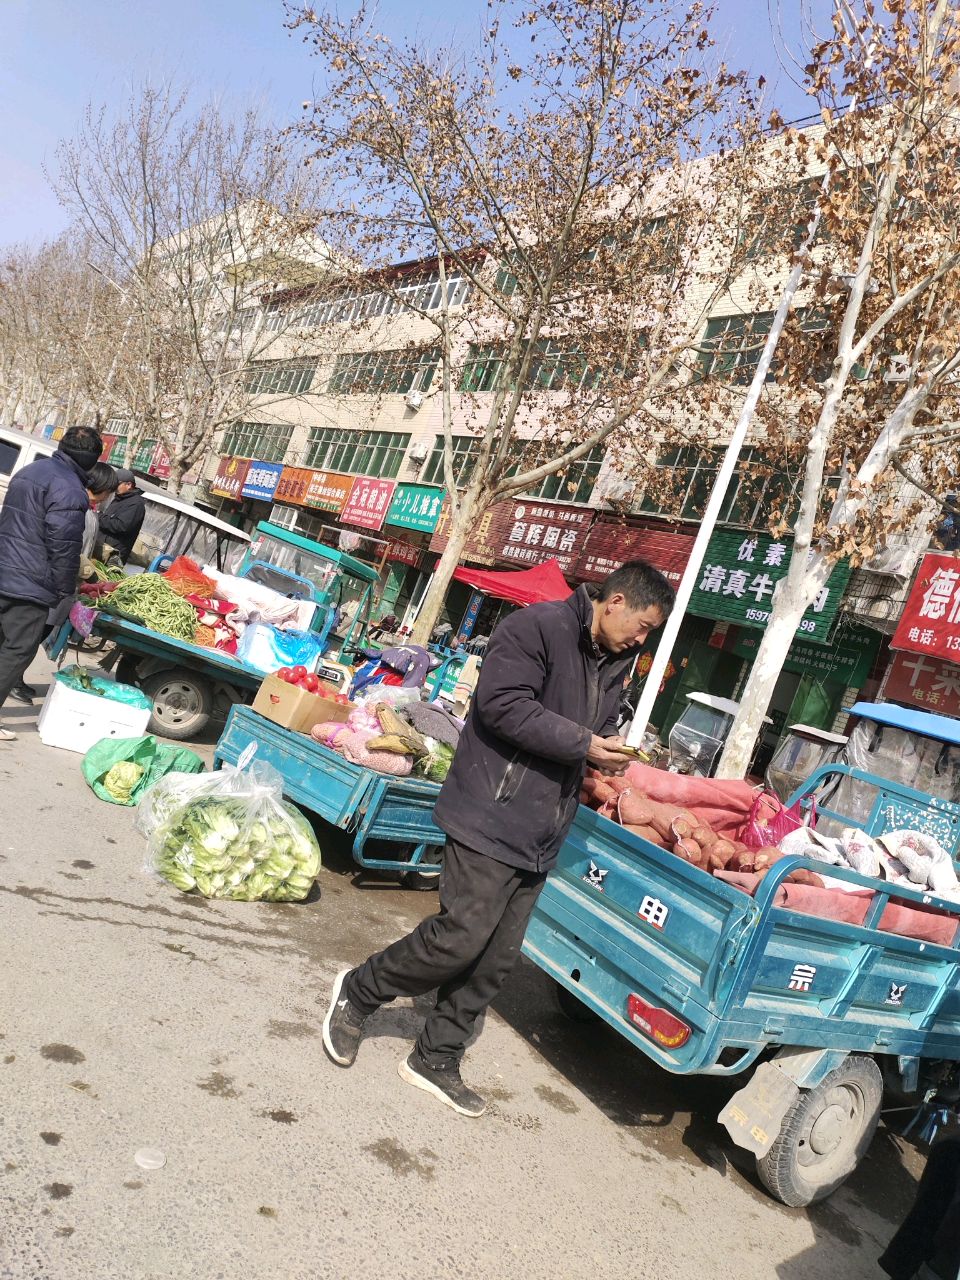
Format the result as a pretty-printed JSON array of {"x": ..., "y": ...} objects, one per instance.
[
  {"x": 41, "y": 534},
  {"x": 120, "y": 525},
  {"x": 545, "y": 707}
]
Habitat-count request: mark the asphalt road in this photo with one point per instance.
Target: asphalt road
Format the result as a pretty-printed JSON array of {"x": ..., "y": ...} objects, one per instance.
[{"x": 134, "y": 1016}]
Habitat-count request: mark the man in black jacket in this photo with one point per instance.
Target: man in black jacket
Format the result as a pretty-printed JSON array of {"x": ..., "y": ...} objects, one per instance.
[
  {"x": 121, "y": 522},
  {"x": 41, "y": 532},
  {"x": 545, "y": 707}
]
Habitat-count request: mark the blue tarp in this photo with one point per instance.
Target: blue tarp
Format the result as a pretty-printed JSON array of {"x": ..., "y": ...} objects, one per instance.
[{"x": 943, "y": 728}]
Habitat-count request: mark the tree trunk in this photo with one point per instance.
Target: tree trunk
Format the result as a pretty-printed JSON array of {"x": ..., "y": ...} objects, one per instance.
[
  {"x": 471, "y": 508},
  {"x": 175, "y": 478}
]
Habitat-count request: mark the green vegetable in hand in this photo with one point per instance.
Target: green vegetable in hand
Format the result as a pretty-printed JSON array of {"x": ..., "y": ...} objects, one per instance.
[{"x": 436, "y": 764}]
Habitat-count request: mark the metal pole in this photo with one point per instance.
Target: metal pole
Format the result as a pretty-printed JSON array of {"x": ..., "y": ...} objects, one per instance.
[{"x": 651, "y": 685}]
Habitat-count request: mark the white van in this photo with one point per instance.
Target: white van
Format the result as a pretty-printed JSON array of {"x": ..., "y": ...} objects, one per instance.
[{"x": 172, "y": 526}]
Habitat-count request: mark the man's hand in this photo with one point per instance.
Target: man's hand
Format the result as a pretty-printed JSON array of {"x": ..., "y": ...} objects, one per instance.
[{"x": 603, "y": 758}]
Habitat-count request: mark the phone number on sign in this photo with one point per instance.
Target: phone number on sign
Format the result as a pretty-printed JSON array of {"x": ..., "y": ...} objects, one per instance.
[{"x": 760, "y": 615}]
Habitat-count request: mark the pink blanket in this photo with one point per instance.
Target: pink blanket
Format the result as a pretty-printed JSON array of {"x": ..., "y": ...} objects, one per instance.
[{"x": 925, "y": 923}]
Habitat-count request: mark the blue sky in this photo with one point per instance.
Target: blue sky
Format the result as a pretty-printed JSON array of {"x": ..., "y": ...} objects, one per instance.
[{"x": 58, "y": 55}]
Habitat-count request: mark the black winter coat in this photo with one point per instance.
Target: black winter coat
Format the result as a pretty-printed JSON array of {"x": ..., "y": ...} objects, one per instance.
[
  {"x": 544, "y": 688},
  {"x": 41, "y": 530},
  {"x": 122, "y": 521}
]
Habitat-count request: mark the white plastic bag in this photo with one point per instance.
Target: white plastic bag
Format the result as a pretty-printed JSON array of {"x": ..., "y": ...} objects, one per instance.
[{"x": 232, "y": 837}]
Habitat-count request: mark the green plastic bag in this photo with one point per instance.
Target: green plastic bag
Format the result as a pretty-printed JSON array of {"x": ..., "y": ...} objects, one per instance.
[{"x": 106, "y": 766}]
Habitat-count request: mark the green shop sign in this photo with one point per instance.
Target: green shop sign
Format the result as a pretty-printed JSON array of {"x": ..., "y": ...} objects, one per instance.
[
  {"x": 847, "y": 661},
  {"x": 738, "y": 577},
  {"x": 416, "y": 506}
]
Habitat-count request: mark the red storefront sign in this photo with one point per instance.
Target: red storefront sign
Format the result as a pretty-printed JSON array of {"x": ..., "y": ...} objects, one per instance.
[
  {"x": 160, "y": 463},
  {"x": 611, "y": 542},
  {"x": 486, "y": 537},
  {"x": 539, "y": 531},
  {"x": 292, "y": 485},
  {"x": 404, "y": 552},
  {"x": 930, "y": 622},
  {"x": 108, "y": 443},
  {"x": 369, "y": 502},
  {"x": 922, "y": 681},
  {"x": 230, "y": 477}
]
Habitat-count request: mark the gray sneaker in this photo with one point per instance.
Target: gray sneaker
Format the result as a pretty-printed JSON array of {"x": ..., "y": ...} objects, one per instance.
[
  {"x": 343, "y": 1025},
  {"x": 444, "y": 1083},
  {"x": 6, "y": 735}
]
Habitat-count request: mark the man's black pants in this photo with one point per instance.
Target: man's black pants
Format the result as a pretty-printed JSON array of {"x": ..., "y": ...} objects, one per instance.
[
  {"x": 22, "y": 624},
  {"x": 466, "y": 950},
  {"x": 930, "y": 1232}
]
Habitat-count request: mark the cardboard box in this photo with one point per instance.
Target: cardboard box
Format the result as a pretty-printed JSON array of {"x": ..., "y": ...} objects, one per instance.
[{"x": 294, "y": 708}]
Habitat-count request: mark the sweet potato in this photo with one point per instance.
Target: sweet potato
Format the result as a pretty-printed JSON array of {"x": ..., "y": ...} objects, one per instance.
[
  {"x": 689, "y": 850},
  {"x": 633, "y": 809},
  {"x": 646, "y": 833}
]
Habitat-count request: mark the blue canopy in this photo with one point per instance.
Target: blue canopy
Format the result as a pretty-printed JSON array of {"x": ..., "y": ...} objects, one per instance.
[{"x": 943, "y": 728}]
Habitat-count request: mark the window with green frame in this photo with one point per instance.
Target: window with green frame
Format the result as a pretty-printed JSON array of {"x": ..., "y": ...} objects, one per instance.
[
  {"x": 465, "y": 449},
  {"x": 576, "y": 482},
  {"x": 280, "y": 377},
  {"x": 384, "y": 372},
  {"x": 785, "y": 229},
  {"x": 730, "y": 347},
  {"x": 267, "y": 441},
  {"x": 555, "y": 365},
  {"x": 369, "y": 453}
]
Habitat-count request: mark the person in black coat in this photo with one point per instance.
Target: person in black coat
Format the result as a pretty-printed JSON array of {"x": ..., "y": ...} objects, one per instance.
[
  {"x": 121, "y": 522},
  {"x": 545, "y": 707},
  {"x": 41, "y": 533}
]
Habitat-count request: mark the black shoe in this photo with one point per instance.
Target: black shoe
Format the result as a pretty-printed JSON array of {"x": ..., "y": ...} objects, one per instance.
[
  {"x": 444, "y": 1083},
  {"x": 343, "y": 1025},
  {"x": 23, "y": 693}
]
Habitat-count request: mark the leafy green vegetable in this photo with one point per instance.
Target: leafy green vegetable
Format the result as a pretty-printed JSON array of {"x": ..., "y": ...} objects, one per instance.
[
  {"x": 436, "y": 765},
  {"x": 121, "y": 779},
  {"x": 240, "y": 849}
]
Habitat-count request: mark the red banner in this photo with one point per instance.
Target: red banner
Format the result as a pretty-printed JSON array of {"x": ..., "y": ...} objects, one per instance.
[
  {"x": 611, "y": 542},
  {"x": 926, "y": 682},
  {"x": 930, "y": 622},
  {"x": 108, "y": 443},
  {"x": 369, "y": 502},
  {"x": 404, "y": 552},
  {"x": 160, "y": 463},
  {"x": 230, "y": 477}
]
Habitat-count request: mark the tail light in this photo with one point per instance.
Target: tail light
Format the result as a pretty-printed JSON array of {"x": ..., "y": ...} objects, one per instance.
[{"x": 659, "y": 1024}]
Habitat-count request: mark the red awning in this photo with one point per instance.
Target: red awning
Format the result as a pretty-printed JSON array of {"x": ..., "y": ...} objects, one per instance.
[{"x": 522, "y": 586}]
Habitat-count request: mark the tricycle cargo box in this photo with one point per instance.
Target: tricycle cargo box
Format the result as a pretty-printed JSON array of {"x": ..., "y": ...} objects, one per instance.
[{"x": 296, "y": 708}]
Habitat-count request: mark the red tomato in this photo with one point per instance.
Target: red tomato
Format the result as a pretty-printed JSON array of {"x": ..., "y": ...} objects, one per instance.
[
  {"x": 341, "y": 698},
  {"x": 310, "y": 682},
  {"x": 299, "y": 673},
  {"x": 284, "y": 674}
]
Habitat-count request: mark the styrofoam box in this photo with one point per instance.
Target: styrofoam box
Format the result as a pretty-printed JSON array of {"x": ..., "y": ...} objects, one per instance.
[{"x": 74, "y": 721}]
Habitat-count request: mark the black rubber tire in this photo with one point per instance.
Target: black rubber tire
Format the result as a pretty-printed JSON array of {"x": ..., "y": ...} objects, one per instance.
[
  {"x": 804, "y": 1165},
  {"x": 421, "y": 881},
  {"x": 573, "y": 1008},
  {"x": 182, "y": 703}
]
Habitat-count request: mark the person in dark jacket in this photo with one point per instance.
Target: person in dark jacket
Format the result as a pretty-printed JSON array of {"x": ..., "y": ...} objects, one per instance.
[
  {"x": 121, "y": 522},
  {"x": 41, "y": 533},
  {"x": 545, "y": 707},
  {"x": 927, "y": 1245}
]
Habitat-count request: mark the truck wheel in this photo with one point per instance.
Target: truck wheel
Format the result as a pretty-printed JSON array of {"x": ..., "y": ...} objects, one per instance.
[
  {"x": 573, "y": 1008},
  {"x": 824, "y": 1134},
  {"x": 182, "y": 702}
]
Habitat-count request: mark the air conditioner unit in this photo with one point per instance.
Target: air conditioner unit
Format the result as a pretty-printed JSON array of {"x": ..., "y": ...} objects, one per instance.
[
  {"x": 413, "y": 400},
  {"x": 418, "y": 451}
]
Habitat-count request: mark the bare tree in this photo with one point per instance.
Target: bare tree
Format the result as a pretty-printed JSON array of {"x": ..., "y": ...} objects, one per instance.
[
  {"x": 888, "y": 294},
  {"x": 552, "y": 179},
  {"x": 197, "y": 219}
]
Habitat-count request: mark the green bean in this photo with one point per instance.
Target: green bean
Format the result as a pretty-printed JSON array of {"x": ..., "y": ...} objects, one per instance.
[{"x": 147, "y": 599}]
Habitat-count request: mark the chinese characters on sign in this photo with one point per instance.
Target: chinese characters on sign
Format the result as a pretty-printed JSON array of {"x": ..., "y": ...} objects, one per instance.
[
  {"x": 262, "y": 479},
  {"x": 485, "y": 537},
  {"x": 404, "y": 552},
  {"x": 329, "y": 491},
  {"x": 542, "y": 531},
  {"x": 160, "y": 463},
  {"x": 740, "y": 573},
  {"x": 611, "y": 542},
  {"x": 292, "y": 485},
  {"x": 231, "y": 473},
  {"x": 416, "y": 506},
  {"x": 930, "y": 623},
  {"x": 926, "y": 682},
  {"x": 368, "y": 502}
]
